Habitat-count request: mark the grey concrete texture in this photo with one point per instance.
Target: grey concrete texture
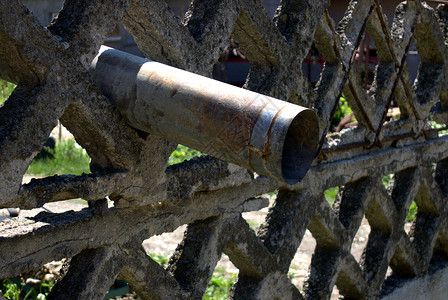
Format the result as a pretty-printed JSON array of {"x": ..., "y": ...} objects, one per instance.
[{"x": 50, "y": 65}]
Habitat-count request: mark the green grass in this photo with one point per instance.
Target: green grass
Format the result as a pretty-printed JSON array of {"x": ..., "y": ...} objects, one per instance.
[
  {"x": 438, "y": 126},
  {"x": 10, "y": 289},
  {"x": 182, "y": 153},
  {"x": 68, "y": 158},
  {"x": 15, "y": 289},
  {"x": 160, "y": 259},
  {"x": 342, "y": 110},
  {"x": 6, "y": 88},
  {"x": 386, "y": 180},
  {"x": 253, "y": 225},
  {"x": 219, "y": 285},
  {"x": 412, "y": 212},
  {"x": 330, "y": 194}
]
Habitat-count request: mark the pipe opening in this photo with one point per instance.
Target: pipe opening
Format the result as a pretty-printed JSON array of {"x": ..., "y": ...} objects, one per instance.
[{"x": 300, "y": 146}]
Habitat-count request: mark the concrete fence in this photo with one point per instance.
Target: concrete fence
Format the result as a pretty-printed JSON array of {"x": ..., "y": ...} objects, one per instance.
[{"x": 104, "y": 242}]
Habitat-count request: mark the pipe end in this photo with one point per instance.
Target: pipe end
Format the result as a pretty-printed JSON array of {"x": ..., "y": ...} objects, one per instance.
[{"x": 300, "y": 146}]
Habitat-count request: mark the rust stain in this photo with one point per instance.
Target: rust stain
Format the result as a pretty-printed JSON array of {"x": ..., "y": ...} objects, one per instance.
[
  {"x": 268, "y": 142},
  {"x": 260, "y": 112}
]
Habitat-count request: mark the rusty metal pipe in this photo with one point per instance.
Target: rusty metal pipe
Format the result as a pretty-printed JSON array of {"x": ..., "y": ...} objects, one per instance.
[{"x": 272, "y": 137}]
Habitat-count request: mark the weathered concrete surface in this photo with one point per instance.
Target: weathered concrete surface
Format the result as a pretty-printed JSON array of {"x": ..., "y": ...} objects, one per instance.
[
  {"x": 129, "y": 166},
  {"x": 431, "y": 286}
]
